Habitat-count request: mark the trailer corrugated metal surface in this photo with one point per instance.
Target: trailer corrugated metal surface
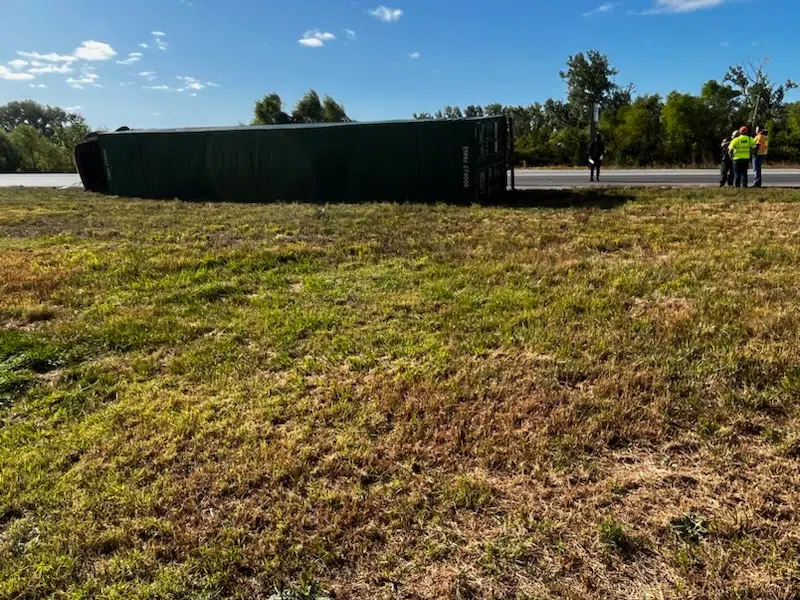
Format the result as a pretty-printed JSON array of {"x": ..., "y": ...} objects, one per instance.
[{"x": 460, "y": 160}]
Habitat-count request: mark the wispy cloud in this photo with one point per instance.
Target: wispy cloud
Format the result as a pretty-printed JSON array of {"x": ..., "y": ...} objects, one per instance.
[
  {"x": 414, "y": 55},
  {"x": 87, "y": 77},
  {"x": 9, "y": 75},
  {"x": 682, "y": 6},
  {"x": 350, "y": 34},
  {"x": 315, "y": 38},
  {"x": 144, "y": 45},
  {"x": 51, "y": 69},
  {"x": 133, "y": 57},
  {"x": 17, "y": 64},
  {"x": 37, "y": 85},
  {"x": 599, "y": 10},
  {"x": 51, "y": 57},
  {"x": 158, "y": 40},
  {"x": 161, "y": 87},
  {"x": 91, "y": 50},
  {"x": 386, "y": 14},
  {"x": 148, "y": 75}
]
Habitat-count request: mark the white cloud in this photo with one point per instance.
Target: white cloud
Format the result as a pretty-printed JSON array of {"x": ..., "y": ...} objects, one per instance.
[
  {"x": 386, "y": 14},
  {"x": 683, "y": 6},
  {"x": 193, "y": 95},
  {"x": 350, "y": 34},
  {"x": 212, "y": 84},
  {"x": 414, "y": 55},
  {"x": 603, "y": 8},
  {"x": 160, "y": 44},
  {"x": 9, "y": 75},
  {"x": 73, "y": 108},
  {"x": 37, "y": 85},
  {"x": 48, "y": 69},
  {"x": 143, "y": 45},
  {"x": 158, "y": 33},
  {"x": 159, "y": 87},
  {"x": 149, "y": 75},
  {"x": 133, "y": 57},
  {"x": 91, "y": 50},
  {"x": 52, "y": 57},
  {"x": 87, "y": 77},
  {"x": 18, "y": 64},
  {"x": 36, "y": 63},
  {"x": 315, "y": 38}
]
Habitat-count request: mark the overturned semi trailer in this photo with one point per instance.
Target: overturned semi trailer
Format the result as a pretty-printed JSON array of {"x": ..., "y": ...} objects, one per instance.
[{"x": 464, "y": 160}]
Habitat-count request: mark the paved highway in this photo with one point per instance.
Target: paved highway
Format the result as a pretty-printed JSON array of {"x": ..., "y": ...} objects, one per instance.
[
  {"x": 568, "y": 178},
  {"x": 525, "y": 178},
  {"x": 46, "y": 180}
]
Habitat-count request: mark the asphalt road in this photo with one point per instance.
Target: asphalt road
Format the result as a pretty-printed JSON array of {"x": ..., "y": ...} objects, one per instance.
[
  {"x": 42, "y": 180},
  {"x": 525, "y": 178},
  {"x": 568, "y": 178}
]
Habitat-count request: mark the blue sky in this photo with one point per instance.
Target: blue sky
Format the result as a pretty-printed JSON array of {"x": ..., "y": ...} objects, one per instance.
[{"x": 165, "y": 63}]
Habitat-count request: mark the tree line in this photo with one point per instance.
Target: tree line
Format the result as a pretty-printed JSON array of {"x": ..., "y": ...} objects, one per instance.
[
  {"x": 648, "y": 129},
  {"x": 638, "y": 130},
  {"x": 38, "y": 138}
]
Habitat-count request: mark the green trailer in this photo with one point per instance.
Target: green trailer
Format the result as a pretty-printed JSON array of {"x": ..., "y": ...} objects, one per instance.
[{"x": 462, "y": 160}]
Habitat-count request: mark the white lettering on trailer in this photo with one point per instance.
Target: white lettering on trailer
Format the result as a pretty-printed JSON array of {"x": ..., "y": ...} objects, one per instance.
[{"x": 465, "y": 156}]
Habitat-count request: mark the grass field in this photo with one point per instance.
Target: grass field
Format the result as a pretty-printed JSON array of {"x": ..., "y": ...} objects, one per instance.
[{"x": 383, "y": 401}]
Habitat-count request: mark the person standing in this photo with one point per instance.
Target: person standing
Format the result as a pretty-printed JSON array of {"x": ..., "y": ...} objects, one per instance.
[
  {"x": 740, "y": 151},
  {"x": 597, "y": 150},
  {"x": 761, "y": 154},
  {"x": 726, "y": 166}
]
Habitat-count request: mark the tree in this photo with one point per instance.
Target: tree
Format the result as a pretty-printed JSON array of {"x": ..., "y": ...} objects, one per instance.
[
  {"x": 333, "y": 112},
  {"x": 764, "y": 100},
  {"x": 452, "y": 112},
  {"x": 473, "y": 111},
  {"x": 269, "y": 111},
  {"x": 36, "y": 151},
  {"x": 589, "y": 82},
  {"x": 308, "y": 109},
  {"x": 49, "y": 121},
  {"x": 687, "y": 127},
  {"x": 10, "y": 159},
  {"x": 493, "y": 110},
  {"x": 634, "y": 132}
]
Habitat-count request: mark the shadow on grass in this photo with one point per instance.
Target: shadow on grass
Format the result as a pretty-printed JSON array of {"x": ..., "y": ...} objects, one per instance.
[{"x": 578, "y": 198}]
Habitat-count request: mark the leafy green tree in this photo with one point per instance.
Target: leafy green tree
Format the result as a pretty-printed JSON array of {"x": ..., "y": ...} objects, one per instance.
[
  {"x": 493, "y": 110},
  {"x": 473, "y": 111},
  {"x": 36, "y": 151},
  {"x": 269, "y": 111},
  {"x": 50, "y": 121},
  {"x": 308, "y": 109},
  {"x": 634, "y": 133},
  {"x": 687, "y": 128},
  {"x": 589, "y": 79},
  {"x": 10, "y": 159},
  {"x": 333, "y": 112}
]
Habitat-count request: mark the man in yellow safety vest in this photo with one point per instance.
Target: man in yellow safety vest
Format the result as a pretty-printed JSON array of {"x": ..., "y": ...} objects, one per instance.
[
  {"x": 761, "y": 155},
  {"x": 741, "y": 150}
]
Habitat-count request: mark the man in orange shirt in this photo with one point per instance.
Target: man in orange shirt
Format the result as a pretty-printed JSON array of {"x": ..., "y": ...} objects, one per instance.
[{"x": 761, "y": 154}]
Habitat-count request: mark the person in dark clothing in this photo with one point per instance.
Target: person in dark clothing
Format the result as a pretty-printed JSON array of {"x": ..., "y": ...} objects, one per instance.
[
  {"x": 726, "y": 166},
  {"x": 596, "y": 151}
]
